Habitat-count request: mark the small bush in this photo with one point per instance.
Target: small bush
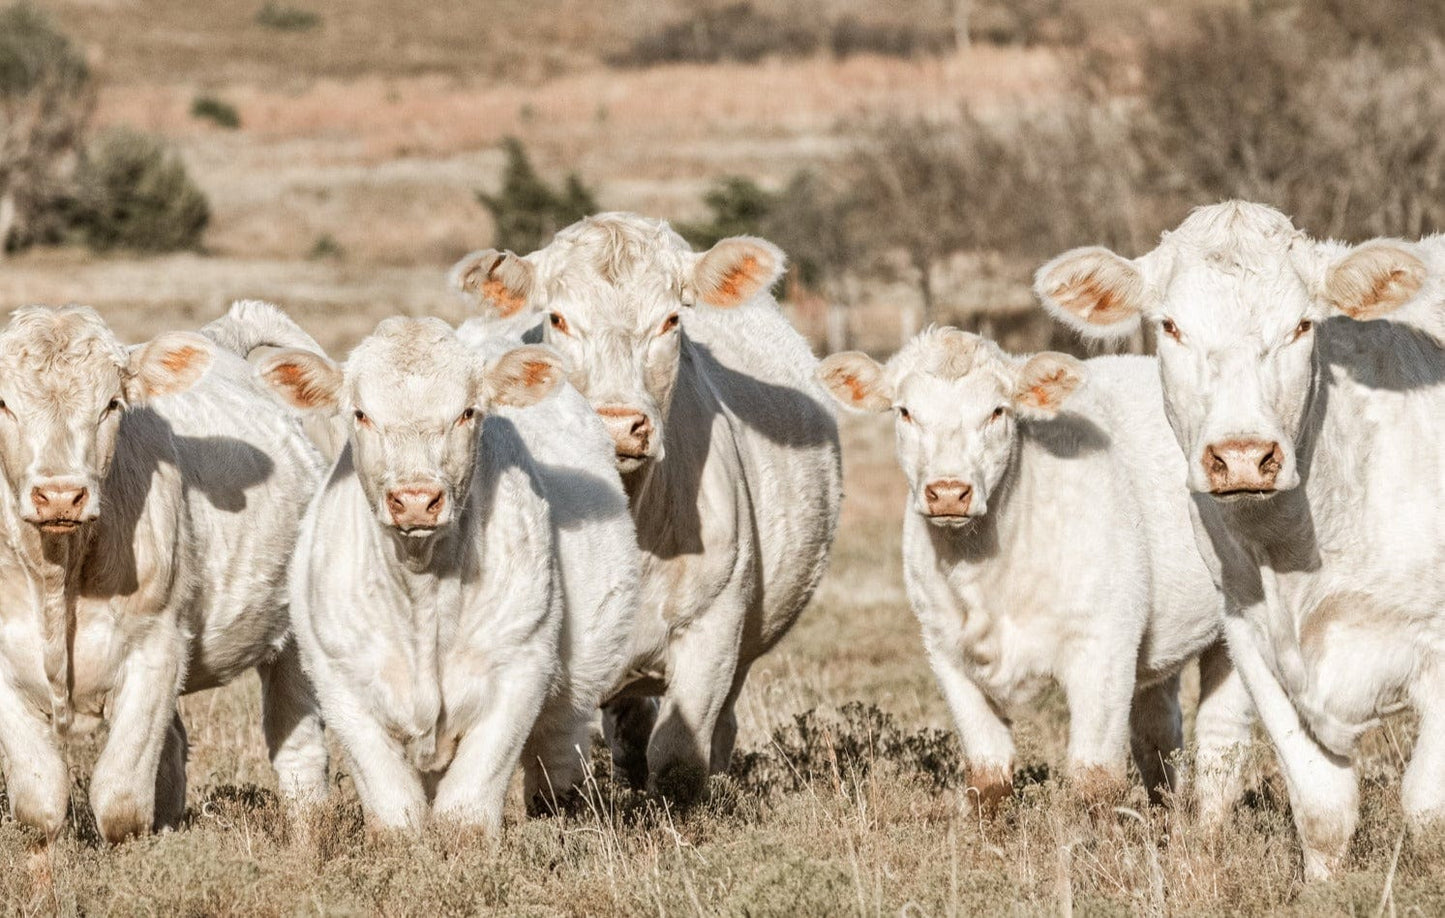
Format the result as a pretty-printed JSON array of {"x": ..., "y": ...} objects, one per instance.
[
  {"x": 46, "y": 97},
  {"x": 284, "y": 18},
  {"x": 325, "y": 248},
  {"x": 218, "y": 111},
  {"x": 134, "y": 193},
  {"x": 527, "y": 211}
]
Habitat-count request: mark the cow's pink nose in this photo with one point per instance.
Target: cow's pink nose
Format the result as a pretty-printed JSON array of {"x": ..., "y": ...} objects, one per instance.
[
  {"x": 415, "y": 507},
  {"x": 1242, "y": 465},
  {"x": 631, "y": 430},
  {"x": 948, "y": 497},
  {"x": 59, "y": 504}
]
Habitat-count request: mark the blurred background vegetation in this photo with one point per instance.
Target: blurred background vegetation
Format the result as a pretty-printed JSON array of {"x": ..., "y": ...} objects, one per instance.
[{"x": 1124, "y": 115}]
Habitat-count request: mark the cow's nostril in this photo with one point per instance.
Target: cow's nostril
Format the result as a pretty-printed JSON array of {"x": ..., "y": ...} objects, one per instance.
[
  {"x": 434, "y": 506},
  {"x": 931, "y": 493},
  {"x": 80, "y": 497},
  {"x": 1273, "y": 459},
  {"x": 1216, "y": 462},
  {"x": 38, "y": 497}
]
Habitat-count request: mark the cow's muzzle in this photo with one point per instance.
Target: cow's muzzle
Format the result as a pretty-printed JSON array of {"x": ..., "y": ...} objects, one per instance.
[
  {"x": 418, "y": 508},
  {"x": 949, "y": 502},
  {"x": 60, "y": 506},
  {"x": 1243, "y": 467},
  {"x": 634, "y": 437}
]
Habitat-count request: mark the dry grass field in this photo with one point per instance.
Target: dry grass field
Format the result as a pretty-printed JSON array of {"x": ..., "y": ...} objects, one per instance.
[{"x": 372, "y": 133}]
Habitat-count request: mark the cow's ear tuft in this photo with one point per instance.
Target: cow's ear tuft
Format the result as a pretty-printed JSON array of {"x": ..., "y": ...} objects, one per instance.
[
  {"x": 167, "y": 364},
  {"x": 500, "y": 283},
  {"x": 1045, "y": 382},
  {"x": 523, "y": 376},
  {"x": 303, "y": 379},
  {"x": 736, "y": 270},
  {"x": 855, "y": 381}
]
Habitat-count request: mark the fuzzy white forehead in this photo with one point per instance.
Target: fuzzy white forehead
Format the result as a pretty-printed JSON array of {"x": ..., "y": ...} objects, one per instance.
[
  {"x": 411, "y": 368},
  {"x": 61, "y": 353},
  {"x": 620, "y": 270},
  {"x": 1235, "y": 263},
  {"x": 949, "y": 356}
]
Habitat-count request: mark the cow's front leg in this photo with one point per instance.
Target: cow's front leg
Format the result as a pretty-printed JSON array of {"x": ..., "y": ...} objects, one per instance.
[
  {"x": 1422, "y": 794},
  {"x": 143, "y": 703},
  {"x": 36, "y": 779},
  {"x": 474, "y": 788},
  {"x": 984, "y": 733},
  {"x": 1222, "y": 735},
  {"x": 555, "y": 758},
  {"x": 702, "y": 662},
  {"x": 1099, "y": 687},
  {"x": 291, "y": 720},
  {"x": 1323, "y": 792},
  {"x": 388, "y": 783}
]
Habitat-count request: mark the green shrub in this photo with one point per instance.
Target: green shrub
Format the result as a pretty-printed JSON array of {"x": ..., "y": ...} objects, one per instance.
[
  {"x": 527, "y": 211},
  {"x": 218, "y": 111},
  {"x": 134, "y": 193},
  {"x": 284, "y": 18}
]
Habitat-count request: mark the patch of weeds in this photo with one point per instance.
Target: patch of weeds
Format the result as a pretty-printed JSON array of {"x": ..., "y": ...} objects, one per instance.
[
  {"x": 217, "y": 111},
  {"x": 845, "y": 746},
  {"x": 285, "y": 18},
  {"x": 325, "y": 248}
]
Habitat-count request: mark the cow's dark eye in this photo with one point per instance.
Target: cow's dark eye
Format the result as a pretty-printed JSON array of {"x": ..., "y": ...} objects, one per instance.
[
  {"x": 558, "y": 322},
  {"x": 997, "y": 413},
  {"x": 467, "y": 416},
  {"x": 361, "y": 417},
  {"x": 1169, "y": 328},
  {"x": 1302, "y": 329},
  {"x": 669, "y": 324},
  {"x": 904, "y": 414},
  {"x": 112, "y": 406}
]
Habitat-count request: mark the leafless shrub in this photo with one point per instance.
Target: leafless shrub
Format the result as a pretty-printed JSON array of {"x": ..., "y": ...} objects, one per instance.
[{"x": 46, "y": 97}]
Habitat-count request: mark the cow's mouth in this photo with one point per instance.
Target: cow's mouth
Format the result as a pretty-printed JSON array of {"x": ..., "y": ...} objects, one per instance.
[
  {"x": 950, "y": 520},
  {"x": 58, "y": 527},
  {"x": 1238, "y": 494},
  {"x": 630, "y": 462}
]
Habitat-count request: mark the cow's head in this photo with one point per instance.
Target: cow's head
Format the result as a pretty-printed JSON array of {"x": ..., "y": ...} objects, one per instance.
[
  {"x": 65, "y": 382},
  {"x": 614, "y": 289},
  {"x": 413, "y": 398},
  {"x": 1234, "y": 295},
  {"x": 956, "y": 399}
]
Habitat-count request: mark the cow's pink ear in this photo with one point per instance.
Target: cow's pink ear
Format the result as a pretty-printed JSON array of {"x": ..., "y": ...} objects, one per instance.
[
  {"x": 856, "y": 381},
  {"x": 500, "y": 283},
  {"x": 523, "y": 376},
  {"x": 735, "y": 270},
  {"x": 303, "y": 379},
  {"x": 1093, "y": 291},
  {"x": 1374, "y": 279},
  {"x": 168, "y": 363},
  {"x": 1045, "y": 382}
]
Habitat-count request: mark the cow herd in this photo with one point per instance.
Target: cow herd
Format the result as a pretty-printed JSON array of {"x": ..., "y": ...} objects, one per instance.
[{"x": 616, "y": 487}]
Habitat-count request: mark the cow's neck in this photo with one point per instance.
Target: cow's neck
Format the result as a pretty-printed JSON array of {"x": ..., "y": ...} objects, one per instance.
[
  {"x": 665, "y": 493},
  {"x": 52, "y": 564}
]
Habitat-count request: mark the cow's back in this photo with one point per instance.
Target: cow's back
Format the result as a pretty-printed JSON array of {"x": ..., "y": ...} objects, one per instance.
[
  {"x": 247, "y": 471},
  {"x": 760, "y": 370}
]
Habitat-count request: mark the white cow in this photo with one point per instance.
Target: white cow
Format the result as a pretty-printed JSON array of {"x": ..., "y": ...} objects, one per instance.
[
  {"x": 149, "y": 513},
  {"x": 1316, "y": 453},
  {"x": 1047, "y": 537},
  {"x": 727, "y": 447},
  {"x": 426, "y": 592}
]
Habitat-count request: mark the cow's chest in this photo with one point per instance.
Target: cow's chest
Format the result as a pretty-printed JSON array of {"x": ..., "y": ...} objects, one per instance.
[
  {"x": 1008, "y": 637},
  {"x": 96, "y": 652}
]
